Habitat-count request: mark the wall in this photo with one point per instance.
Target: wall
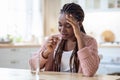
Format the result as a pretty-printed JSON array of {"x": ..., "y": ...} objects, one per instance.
[
  {"x": 51, "y": 14},
  {"x": 96, "y": 22}
]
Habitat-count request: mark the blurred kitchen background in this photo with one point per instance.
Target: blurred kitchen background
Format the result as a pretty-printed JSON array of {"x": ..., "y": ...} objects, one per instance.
[{"x": 24, "y": 24}]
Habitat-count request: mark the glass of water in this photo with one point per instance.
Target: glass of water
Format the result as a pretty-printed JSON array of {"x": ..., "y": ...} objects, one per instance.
[{"x": 36, "y": 68}]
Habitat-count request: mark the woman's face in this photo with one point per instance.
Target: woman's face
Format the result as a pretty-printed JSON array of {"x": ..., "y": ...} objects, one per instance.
[{"x": 65, "y": 28}]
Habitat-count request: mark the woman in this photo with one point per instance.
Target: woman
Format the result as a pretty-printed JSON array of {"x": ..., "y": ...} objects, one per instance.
[{"x": 71, "y": 50}]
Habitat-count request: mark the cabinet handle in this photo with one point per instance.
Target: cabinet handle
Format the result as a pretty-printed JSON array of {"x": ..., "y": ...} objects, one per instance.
[
  {"x": 13, "y": 62},
  {"x": 13, "y": 49}
]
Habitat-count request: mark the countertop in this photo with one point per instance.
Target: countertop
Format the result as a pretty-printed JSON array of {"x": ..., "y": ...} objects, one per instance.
[
  {"x": 39, "y": 45},
  {"x": 108, "y": 46},
  {"x": 19, "y": 45},
  {"x": 22, "y": 74}
]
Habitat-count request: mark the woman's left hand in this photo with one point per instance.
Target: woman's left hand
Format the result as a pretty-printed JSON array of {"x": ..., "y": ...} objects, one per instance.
[
  {"x": 75, "y": 24},
  {"x": 76, "y": 28}
]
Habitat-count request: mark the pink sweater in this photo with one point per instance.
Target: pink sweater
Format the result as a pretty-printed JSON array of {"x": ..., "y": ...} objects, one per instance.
[{"x": 88, "y": 57}]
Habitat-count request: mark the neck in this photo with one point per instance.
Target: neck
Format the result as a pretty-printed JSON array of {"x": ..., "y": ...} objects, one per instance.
[
  {"x": 69, "y": 45},
  {"x": 72, "y": 39}
]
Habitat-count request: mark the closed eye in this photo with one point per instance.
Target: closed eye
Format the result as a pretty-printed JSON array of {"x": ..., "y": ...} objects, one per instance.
[
  {"x": 68, "y": 25},
  {"x": 59, "y": 24}
]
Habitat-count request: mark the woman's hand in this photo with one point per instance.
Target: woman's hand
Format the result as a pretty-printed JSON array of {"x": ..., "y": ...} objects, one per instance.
[
  {"x": 51, "y": 44},
  {"x": 76, "y": 28},
  {"x": 75, "y": 24}
]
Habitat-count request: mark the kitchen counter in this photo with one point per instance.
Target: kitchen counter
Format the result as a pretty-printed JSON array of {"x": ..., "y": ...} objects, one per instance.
[
  {"x": 108, "y": 46},
  {"x": 19, "y": 45},
  {"x": 110, "y": 58},
  {"x": 22, "y": 74},
  {"x": 22, "y": 45},
  {"x": 17, "y": 56}
]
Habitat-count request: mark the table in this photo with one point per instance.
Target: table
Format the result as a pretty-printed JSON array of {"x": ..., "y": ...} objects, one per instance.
[{"x": 21, "y": 74}]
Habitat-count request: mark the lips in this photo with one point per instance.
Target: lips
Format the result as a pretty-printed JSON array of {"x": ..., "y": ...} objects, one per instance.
[{"x": 64, "y": 35}]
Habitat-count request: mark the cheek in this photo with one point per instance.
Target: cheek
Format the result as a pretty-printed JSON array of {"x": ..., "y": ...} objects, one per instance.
[
  {"x": 59, "y": 29},
  {"x": 71, "y": 31}
]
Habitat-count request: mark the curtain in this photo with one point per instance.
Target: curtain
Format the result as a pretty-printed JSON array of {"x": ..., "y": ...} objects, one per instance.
[{"x": 21, "y": 19}]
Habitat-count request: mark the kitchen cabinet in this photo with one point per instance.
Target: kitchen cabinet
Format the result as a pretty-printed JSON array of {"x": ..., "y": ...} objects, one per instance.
[
  {"x": 100, "y": 5},
  {"x": 110, "y": 61},
  {"x": 16, "y": 57}
]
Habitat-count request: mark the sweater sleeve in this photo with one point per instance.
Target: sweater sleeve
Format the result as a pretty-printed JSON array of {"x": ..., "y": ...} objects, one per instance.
[
  {"x": 89, "y": 59},
  {"x": 38, "y": 57}
]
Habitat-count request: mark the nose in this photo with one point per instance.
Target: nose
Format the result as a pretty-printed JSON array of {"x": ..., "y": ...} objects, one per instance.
[{"x": 63, "y": 29}]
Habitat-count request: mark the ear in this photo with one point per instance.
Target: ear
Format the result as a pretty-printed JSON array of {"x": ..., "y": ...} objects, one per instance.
[{"x": 80, "y": 24}]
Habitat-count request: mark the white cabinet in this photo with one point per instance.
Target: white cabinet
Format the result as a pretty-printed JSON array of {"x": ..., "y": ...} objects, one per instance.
[
  {"x": 100, "y": 5},
  {"x": 16, "y": 57},
  {"x": 110, "y": 54},
  {"x": 110, "y": 62}
]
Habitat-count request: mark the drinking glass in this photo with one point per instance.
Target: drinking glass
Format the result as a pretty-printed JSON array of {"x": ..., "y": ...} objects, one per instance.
[{"x": 37, "y": 65}]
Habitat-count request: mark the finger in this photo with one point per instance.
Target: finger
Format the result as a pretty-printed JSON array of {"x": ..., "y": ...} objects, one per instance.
[
  {"x": 49, "y": 45},
  {"x": 71, "y": 18},
  {"x": 52, "y": 42},
  {"x": 55, "y": 38},
  {"x": 71, "y": 22}
]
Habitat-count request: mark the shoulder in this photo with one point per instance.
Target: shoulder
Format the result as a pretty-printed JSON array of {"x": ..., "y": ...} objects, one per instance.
[
  {"x": 85, "y": 36},
  {"x": 88, "y": 39}
]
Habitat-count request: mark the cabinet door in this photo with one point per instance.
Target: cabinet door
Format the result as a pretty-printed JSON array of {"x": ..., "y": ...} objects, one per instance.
[
  {"x": 110, "y": 61},
  {"x": 5, "y": 57},
  {"x": 16, "y": 57},
  {"x": 19, "y": 58},
  {"x": 100, "y": 5}
]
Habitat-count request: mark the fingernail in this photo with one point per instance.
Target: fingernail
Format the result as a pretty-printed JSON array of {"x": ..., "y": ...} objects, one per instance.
[{"x": 66, "y": 16}]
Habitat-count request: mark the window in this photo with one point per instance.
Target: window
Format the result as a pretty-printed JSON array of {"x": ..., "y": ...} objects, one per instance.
[
  {"x": 100, "y": 5},
  {"x": 114, "y": 3},
  {"x": 68, "y": 1},
  {"x": 21, "y": 19}
]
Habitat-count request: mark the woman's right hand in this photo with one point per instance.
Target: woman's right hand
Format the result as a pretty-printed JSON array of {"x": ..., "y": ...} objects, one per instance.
[{"x": 51, "y": 44}]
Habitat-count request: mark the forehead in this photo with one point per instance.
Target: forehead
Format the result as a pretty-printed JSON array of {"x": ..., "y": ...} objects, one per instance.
[{"x": 62, "y": 17}]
